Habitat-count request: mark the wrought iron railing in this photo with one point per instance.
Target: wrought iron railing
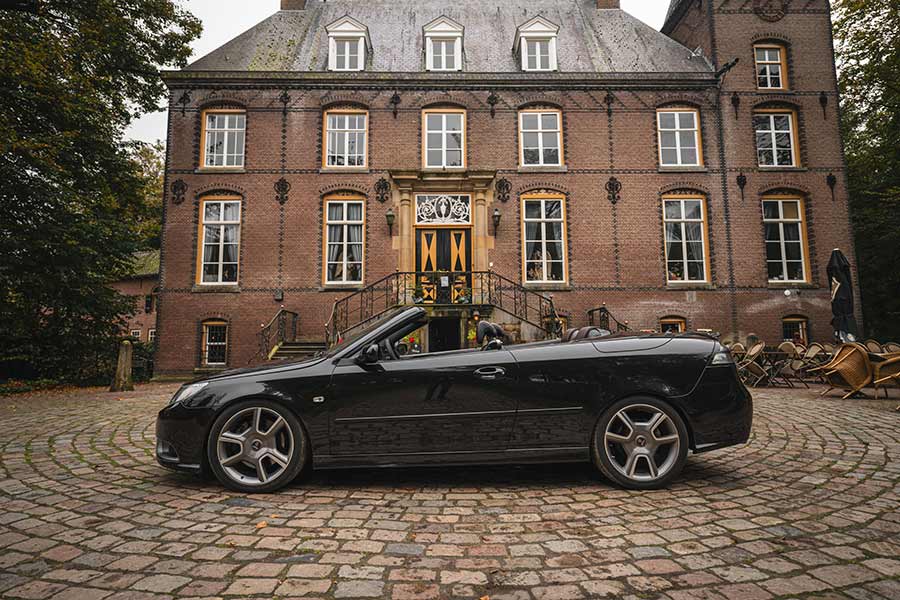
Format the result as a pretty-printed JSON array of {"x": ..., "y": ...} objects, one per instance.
[
  {"x": 282, "y": 328},
  {"x": 601, "y": 317},
  {"x": 469, "y": 288}
]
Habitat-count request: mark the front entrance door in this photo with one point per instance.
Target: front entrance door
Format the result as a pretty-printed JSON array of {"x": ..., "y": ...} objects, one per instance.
[{"x": 443, "y": 258}]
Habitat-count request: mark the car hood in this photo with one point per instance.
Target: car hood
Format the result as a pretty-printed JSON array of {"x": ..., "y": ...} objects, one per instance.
[{"x": 270, "y": 368}]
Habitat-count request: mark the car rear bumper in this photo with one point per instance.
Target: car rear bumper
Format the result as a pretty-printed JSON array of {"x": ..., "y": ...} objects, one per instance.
[{"x": 720, "y": 410}]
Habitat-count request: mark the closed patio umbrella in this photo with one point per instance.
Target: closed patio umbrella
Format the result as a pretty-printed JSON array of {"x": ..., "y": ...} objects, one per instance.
[{"x": 841, "y": 282}]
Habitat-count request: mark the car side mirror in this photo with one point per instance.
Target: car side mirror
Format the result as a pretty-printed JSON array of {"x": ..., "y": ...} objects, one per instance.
[{"x": 369, "y": 356}]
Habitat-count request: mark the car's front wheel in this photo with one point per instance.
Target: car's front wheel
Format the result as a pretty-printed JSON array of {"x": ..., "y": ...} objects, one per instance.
[
  {"x": 640, "y": 443},
  {"x": 256, "y": 446}
]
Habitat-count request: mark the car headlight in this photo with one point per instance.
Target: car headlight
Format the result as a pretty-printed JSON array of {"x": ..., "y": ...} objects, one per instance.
[
  {"x": 722, "y": 357},
  {"x": 188, "y": 392}
]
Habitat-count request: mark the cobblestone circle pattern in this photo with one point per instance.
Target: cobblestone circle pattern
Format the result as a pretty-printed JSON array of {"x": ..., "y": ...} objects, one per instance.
[{"x": 810, "y": 508}]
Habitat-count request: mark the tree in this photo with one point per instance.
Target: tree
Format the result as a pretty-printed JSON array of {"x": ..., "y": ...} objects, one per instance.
[
  {"x": 150, "y": 160},
  {"x": 73, "y": 74},
  {"x": 867, "y": 36}
]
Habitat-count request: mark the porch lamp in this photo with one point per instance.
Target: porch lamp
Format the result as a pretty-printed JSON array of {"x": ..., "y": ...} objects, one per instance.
[
  {"x": 390, "y": 217},
  {"x": 496, "y": 219}
]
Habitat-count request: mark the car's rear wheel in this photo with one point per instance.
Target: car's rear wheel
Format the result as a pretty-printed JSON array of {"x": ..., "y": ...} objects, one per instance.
[
  {"x": 256, "y": 446},
  {"x": 640, "y": 443}
]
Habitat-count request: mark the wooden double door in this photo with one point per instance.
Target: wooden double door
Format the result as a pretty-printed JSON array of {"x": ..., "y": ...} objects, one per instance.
[{"x": 444, "y": 265}]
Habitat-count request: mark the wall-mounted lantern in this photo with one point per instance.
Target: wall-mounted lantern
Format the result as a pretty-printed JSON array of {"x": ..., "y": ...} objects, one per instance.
[
  {"x": 497, "y": 217},
  {"x": 390, "y": 217}
]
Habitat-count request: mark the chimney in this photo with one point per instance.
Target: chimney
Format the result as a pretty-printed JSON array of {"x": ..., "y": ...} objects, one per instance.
[
  {"x": 293, "y": 4},
  {"x": 600, "y": 3}
]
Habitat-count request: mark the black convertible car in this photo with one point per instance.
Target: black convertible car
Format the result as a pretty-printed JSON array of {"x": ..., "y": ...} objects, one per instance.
[{"x": 633, "y": 404}]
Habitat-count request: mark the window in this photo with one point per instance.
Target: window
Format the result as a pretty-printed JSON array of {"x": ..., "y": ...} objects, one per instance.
[
  {"x": 148, "y": 304},
  {"x": 536, "y": 44},
  {"x": 785, "y": 239},
  {"x": 215, "y": 343},
  {"x": 344, "y": 241},
  {"x": 445, "y": 139},
  {"x": 136, "y": 334},
  {"x": 679, "y": 138},
  {"x": 540, "y": 138},
  {"x": 443, "y": 45},
  {"x": 151, "y": 335},
  {"x": 544, "y": 234},
  {"x": 775, "y": 139},
  {"x": 223, "y": 133},
  {"x": 673, "y": 325},
  {"x": 443, "y": 55},
  {"x": 537, "y": 55},
  {"x": 348, "y": 41},
  {"x": 795, "y": 329},
  {"x": 220, "y": 240},
  {"x": 347, "y": 55},
  {"x": 771, "y": 68},
  {"x": 345, "y": 139},
  {"x": 685, "y": 227}
]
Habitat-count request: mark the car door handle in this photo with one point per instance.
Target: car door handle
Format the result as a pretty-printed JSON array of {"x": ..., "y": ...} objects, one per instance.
[{"x": 490, "y": 373}]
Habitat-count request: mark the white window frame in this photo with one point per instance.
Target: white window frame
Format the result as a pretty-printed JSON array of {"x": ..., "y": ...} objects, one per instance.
[
  {"x": 136, "y": 333},
  {"x": 678, "y": 130},
  {"x": 336, "y": 43},
  {"x": 772, "y": 133},
  {"x": 151, "y": 335},
  {"x": 551, "y": 54},
  {"x": 781, "y": 221},
  {"x": 542, "y": 221},
  {"x": 221, "y": 224},
  {"x": 768, "y": 64},
  {"x": 362, "y": 149},
  {"x": 207, "y": 344},
  {"x": 433, "y": 56},
  {"x": 345, "y": 224},
  {"x": 236, "y": 132},
  {"x": 683, "y": 222},
  {"x": 445, "y": 134},
  {"x": 540, "y": 131},
  {"x": 347, "y": 30}
]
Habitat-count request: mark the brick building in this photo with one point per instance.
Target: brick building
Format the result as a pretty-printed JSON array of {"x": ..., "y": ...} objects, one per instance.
[
  {"x": 479, "y": 157},
  {"x": 143, "y": 287}
]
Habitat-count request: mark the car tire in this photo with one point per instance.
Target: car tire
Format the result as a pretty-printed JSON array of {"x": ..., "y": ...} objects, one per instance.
[
  {"x": 256, "y": 446},
  {"x": 640, "y": 443}
]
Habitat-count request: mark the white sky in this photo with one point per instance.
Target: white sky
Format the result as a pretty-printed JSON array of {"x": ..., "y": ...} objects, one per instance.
[{"x": 226, "y": 19}]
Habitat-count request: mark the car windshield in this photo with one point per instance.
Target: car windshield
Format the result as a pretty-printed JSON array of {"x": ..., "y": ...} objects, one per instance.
[{"x": 359, "y": 333}]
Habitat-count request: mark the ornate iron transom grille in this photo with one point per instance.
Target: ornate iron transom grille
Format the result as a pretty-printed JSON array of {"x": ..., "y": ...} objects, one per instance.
[{"x": 443, "y": 210}]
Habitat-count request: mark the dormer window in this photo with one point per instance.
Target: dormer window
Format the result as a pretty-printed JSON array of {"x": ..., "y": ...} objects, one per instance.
[
  {"x": 348, "y": 43},
  {"x": 443, "y": 45},
  {"x": 535, "y": 44}
]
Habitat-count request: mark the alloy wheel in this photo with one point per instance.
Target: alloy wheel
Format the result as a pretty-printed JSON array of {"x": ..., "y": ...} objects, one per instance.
[
  {"x": 255, "y": 446},
  {"x": 642, "y": 443}
]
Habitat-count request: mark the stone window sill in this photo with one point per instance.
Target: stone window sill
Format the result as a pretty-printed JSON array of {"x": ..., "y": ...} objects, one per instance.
[
  {"x": 342, "y": 288},
  {"x": 667, "y": 169},
  {"x": 215, "y": 289},
  {"x": 547, "y": 287},
  {"x": 543, "y": 169},
  {"x": 782, "y": 169},
  {"x": 689, "y": 286},
  {"x": 229, "y": 170},
  {"x": 332, "y": 170}
]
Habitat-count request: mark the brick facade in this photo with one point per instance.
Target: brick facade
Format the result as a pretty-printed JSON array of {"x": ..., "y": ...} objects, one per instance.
[{"x": 615, "y": 249}]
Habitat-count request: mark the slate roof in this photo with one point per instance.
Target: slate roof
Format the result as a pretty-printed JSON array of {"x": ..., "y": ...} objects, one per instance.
[{"x": 590, "y": 40}]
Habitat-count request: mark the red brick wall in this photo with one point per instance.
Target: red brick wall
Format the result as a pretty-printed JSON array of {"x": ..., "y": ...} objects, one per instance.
[
  {"x": 139, "y": 289},
  {"x": 615, "y": 251}
]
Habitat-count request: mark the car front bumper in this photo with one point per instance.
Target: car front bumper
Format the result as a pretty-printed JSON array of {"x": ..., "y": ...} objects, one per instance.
[{"x": 180, "y": 438}]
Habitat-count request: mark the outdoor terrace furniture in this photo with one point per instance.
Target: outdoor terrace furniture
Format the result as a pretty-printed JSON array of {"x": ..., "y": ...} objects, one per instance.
[
  {"x": 850, "y": 369},
  {"x": 892, "y": 347},
  {"x": 751, "y": 371},
  {"x": 787, "y": 364},
  {"x": 874, "y": 347},
  {"x": 738, "y": 350},
  {"x": 886, "y": 372}
]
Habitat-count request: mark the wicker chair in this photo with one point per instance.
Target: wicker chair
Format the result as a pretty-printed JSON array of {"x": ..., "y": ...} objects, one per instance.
[
  {"x": 850, "y": 369},
  {"x": 874, "y": 347},
  {"x": 738, "y": 350},
  {"x": 885, "y": 373},
  {"x": 892, "y": 347},
  {"x": 791, "y": 367},
  {"x": 752, "y": 372}
]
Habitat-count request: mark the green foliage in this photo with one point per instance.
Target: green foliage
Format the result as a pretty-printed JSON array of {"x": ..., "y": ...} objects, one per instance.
[
  {"x": 867, "y": 34},
  {"x": 74, "y": 199}
]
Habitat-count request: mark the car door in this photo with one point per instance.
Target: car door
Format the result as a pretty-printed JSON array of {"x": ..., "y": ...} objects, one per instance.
[{"x": 463, "y": 401}]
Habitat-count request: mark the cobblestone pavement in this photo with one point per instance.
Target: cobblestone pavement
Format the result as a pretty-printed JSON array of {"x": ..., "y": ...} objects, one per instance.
[{"x": 810, "y": 508}]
